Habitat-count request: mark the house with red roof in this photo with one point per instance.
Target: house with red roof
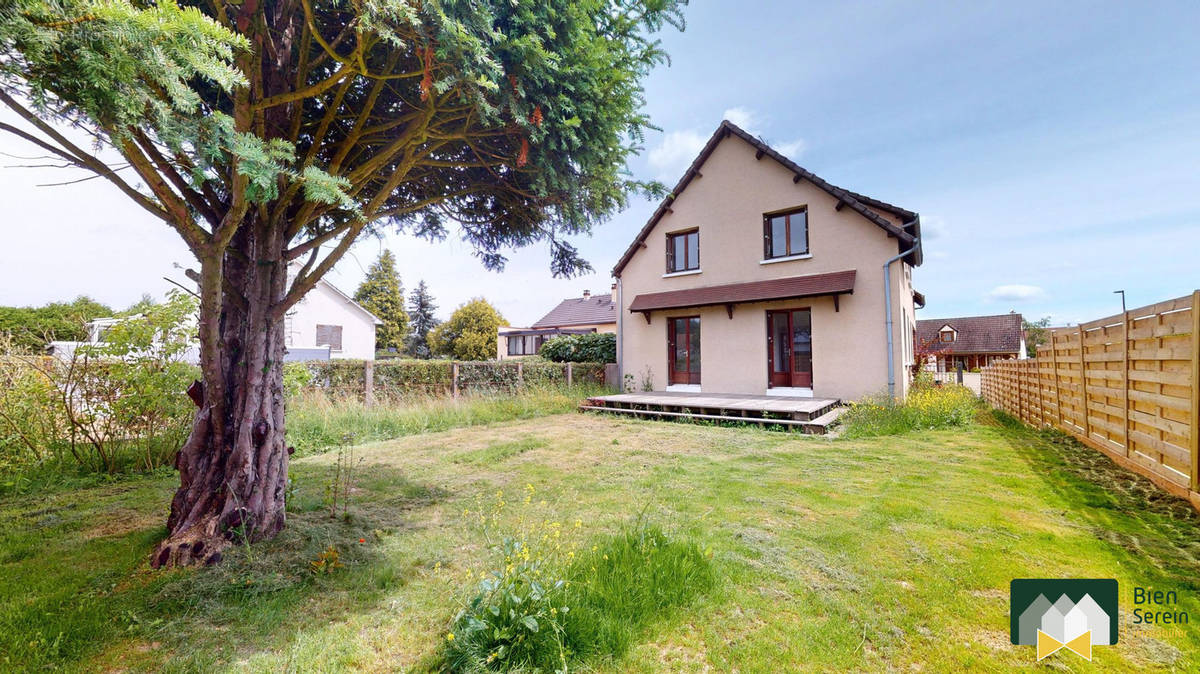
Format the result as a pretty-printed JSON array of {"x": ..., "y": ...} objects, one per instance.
[{"x": 970, "y": 341}]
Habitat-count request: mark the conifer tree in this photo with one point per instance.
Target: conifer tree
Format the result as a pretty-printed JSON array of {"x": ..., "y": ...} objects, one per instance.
[
  {"x": 273, "y": 133},
  {"x": 382, "y": 294},
  {"x": 421, "y": 321}
]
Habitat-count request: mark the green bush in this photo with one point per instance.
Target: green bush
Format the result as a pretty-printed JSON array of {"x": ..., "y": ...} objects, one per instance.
[
  {"x": 396, "y": 379},
  {"x": 596, "y": 347},
  {"x": 111, "y": 407},
  {"x": 543, "y": 607},
  {"x": 926, "y": 408}
]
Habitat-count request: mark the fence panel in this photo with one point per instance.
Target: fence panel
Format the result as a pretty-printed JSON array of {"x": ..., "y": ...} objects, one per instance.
[{"x": 1127, "y": 385}]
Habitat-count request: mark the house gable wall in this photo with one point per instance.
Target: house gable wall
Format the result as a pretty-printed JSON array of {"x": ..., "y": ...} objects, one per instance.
[
  {"x": 727, "y": 203},
  {"x": 324, "y": 305}
]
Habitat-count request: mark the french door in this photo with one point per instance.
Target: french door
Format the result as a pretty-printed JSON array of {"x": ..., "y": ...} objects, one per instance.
[
  {"x": 683, "y": 349},
  {"x": 789, "y": 348}
]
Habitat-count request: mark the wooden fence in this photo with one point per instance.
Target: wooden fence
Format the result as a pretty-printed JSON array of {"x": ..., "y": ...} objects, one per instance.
[{"x": 1127, "y": 385}]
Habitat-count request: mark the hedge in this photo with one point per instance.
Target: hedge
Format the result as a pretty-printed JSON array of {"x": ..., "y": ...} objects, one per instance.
[
  {"x": 398, "y": 378},
  {"x": 595, "y": 347}
]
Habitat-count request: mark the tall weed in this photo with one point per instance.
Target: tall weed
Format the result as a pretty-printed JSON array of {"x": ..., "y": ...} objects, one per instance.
[{"x": 925, "y": 408}]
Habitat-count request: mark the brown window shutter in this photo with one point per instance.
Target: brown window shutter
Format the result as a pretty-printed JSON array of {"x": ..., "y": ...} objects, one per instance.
[{"x": 330, "y": 335}]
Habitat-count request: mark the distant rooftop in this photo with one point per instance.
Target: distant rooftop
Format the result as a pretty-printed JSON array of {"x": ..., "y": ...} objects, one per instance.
[
  {"x": 586, "y": 310},
  {"x": 976, "y": 334}
]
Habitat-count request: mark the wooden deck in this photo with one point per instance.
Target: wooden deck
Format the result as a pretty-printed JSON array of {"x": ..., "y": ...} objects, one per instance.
[{"x": 811, "y": 415}]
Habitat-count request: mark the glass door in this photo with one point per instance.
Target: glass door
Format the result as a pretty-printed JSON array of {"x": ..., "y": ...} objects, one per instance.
[
  {"x": 789, "y": 348},
  {"x": 683, "y": 349}
]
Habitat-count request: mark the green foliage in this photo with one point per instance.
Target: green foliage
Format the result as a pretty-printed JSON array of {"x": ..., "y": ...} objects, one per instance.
[
  {"x": 115, "y": 406},
  {"x": 543, "y": 607},
  {"x": 1036, "y": 334},
  {"x": 470, "y": 334},
  {"x": 629, "y": 581},
  {"x": 381, "y": 294},
  {"x": 32, "y": 329},
  {"x": 596, "y": 347},
  {"x": 399, "y": 379},
  {"x": 318, "y": 422},
  {"x": 296, "y": 378},
  {"x": 421, "y": 319},
  {"x": 544, "y": 99},
  {"x": 925, "y": 408}
]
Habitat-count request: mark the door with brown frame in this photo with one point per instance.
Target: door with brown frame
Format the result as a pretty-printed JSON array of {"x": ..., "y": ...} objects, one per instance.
[
  {"x": 789, "y": 348},
  {"x": 683, "y": 349}
]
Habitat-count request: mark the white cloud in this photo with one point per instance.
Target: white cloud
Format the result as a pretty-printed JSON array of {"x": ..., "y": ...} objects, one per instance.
[
  {"x": 743, "y": 117},
  {"x": 675, "y": 152},
  {"x": 669, "y": 158},
  {"x": 790, "y": 150},
  {"x": 1016, "y": 293}
]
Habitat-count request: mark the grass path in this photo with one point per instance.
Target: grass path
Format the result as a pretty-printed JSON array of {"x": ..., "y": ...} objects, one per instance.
[{"x": 875, "y": 554}]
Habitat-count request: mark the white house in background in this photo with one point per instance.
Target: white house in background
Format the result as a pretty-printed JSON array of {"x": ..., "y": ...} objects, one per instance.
[
  {"x": 325, "y": 324},
  {"x": 330, "y": 321}
]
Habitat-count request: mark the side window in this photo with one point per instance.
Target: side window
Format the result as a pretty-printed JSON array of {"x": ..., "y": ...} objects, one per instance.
[
  {"x": 683, "y": 251},
  {"x": 785, "y": 234}
]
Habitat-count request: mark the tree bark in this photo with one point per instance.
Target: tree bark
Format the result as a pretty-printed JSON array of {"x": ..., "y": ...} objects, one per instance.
[{"x": 233, "y": 467}]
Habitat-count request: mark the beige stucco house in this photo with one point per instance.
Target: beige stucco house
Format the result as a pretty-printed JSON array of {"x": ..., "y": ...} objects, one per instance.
[
  {"x": 572, "y": 316},
  {"x": 756, "y": 276}
]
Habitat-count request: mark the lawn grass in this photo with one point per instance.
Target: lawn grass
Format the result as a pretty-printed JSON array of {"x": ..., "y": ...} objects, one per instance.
[
  {"x": 316, "y": 422},
  {"x": 833, "y": 555}
]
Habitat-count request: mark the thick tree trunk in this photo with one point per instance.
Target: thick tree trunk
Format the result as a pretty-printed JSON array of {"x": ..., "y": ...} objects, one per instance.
[{"x": 233, "y": 467}]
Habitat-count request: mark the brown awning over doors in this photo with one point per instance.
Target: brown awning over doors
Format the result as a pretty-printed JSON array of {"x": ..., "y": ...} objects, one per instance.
[{"x": 812, "y": 285}]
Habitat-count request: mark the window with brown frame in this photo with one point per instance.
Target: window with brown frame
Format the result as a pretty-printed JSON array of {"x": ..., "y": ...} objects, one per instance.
[
  {"x": 330, "y": 335},
  {"x": 683, "y": 251},
  {"x": 785, "y": 234},
  {"x": 947, "y": 336}
]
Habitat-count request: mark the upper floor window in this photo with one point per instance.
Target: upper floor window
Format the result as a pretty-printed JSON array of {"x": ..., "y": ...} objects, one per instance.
[
  {"x": 683, "y": 251},
  {"x": 785, "y": 234},
  {"x": 947, "y": 334}
]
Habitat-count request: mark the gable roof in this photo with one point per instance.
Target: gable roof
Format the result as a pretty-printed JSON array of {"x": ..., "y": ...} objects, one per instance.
[
  {"x": 975, "y": 334},
  {"x": 907, "y": 235},
  {"x": 580, "y": 311}
]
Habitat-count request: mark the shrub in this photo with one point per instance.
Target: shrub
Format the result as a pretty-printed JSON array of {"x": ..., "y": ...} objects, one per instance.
[
  {"x": 596, "y": 347},
  {"x": 112, "y": 406},
  {"x": 544, "y": 606},
  {"x": 405, "y": 378},
  {"x": 927, "y": 407}
]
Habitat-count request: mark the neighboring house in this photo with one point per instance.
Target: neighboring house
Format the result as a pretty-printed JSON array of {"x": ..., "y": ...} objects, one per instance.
[
  {"x": 329, "y": 319},
  {"x": 326, "y": 323},
  {"x": 755, "y": 276},
  {"x": 574, "y": 316},
  {"x": 972, "y": 341}
]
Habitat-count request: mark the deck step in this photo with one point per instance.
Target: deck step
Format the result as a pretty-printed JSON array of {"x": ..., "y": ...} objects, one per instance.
[
  {"x": 821, "y": 424},
  {"x": 817, "y": 426}
]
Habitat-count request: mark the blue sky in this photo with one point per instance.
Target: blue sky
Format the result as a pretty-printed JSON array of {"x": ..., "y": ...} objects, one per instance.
[{"x": 1052, "y": 150}]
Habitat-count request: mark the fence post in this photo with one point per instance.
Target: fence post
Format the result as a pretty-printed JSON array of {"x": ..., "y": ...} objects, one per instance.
[
  {"x": 1125, "y": 376},
  {"x": 570, "y": 374},
  {"x": 520, "y": 374},
  {"x": 454, "y": 380},
  {"x": 1057, "y": 392},
  {"x": 1195, "y": 439},
  {"x": 1083, "y": 394},
  {"x": 369, "y": 382}
]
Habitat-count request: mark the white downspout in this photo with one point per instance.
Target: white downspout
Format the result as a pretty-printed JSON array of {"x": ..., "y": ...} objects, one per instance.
[
  {"x": 620, "y": 338},
  {"x": 887, "y": 300}
]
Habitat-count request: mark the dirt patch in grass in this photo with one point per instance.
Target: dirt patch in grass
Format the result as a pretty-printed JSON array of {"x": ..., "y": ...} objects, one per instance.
[{"x": 123, "y": 521}]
